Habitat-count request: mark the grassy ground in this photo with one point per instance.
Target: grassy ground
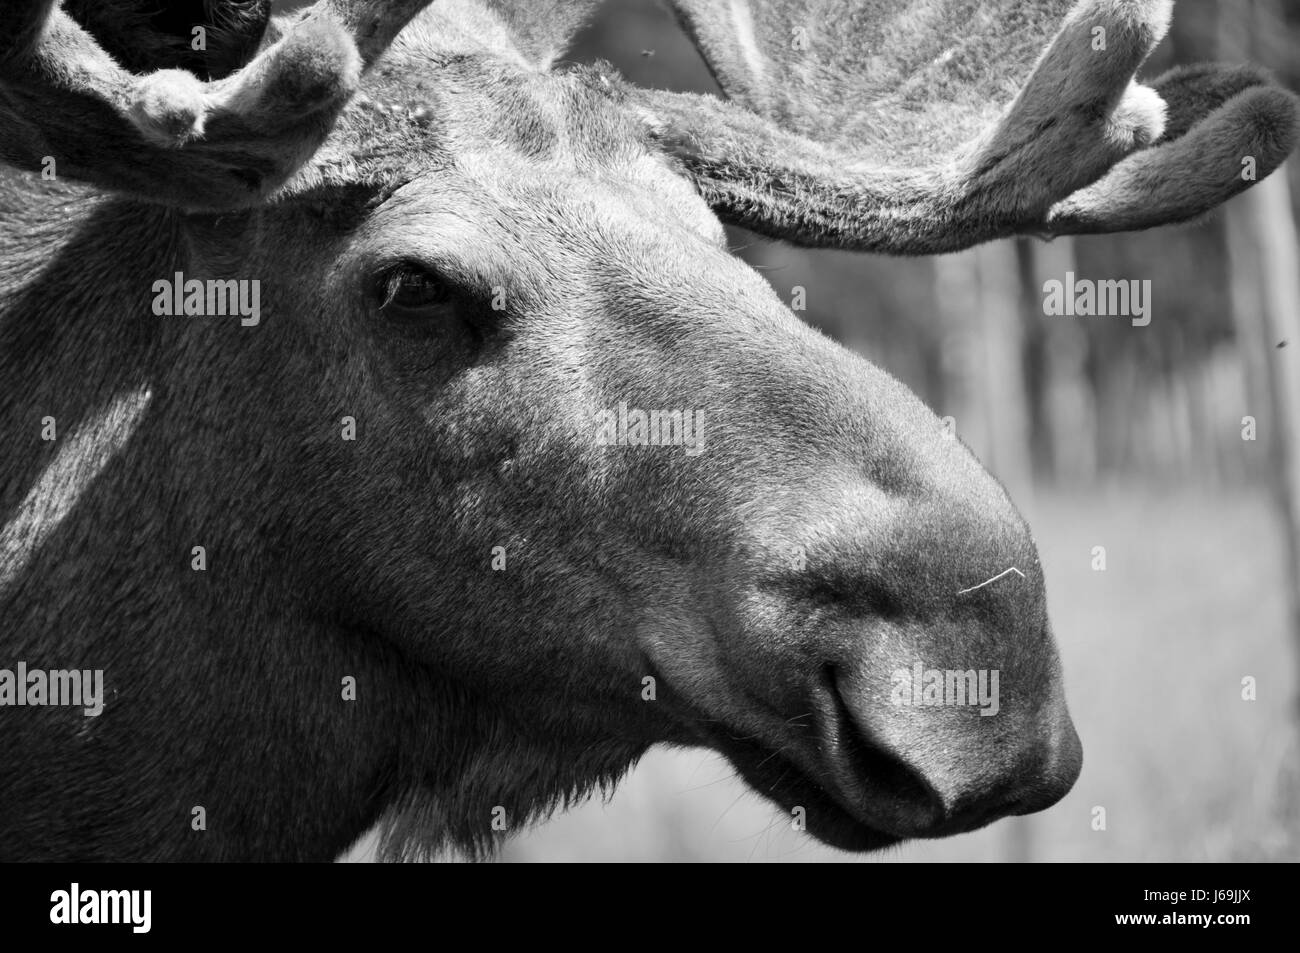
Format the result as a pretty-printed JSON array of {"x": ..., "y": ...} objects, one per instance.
[{"x": 1155, "y": 649}]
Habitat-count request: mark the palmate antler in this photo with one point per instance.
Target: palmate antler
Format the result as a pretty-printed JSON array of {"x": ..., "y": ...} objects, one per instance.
[
  {"x": 908, "y": 127},
  {"x": 167, "y": 136}
]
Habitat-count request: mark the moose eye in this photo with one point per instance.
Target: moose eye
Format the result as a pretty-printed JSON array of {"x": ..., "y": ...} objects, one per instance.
[{"x": 411, "y": 289}]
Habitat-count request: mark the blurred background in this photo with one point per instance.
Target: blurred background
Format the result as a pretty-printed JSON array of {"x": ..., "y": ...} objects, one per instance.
[{"x": 1169, "y": 454}]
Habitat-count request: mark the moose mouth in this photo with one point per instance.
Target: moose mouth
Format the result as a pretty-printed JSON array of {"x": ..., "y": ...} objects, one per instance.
[
  {"x": 826, "y": 817},
  {"x": 854, "y": 795},
  {"x": 828, "y": 795}
]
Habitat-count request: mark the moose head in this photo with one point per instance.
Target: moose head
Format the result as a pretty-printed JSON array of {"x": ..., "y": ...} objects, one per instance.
[{"x": 387, "y": 419}]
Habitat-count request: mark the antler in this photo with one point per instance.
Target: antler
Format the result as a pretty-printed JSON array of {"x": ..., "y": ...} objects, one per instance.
[
  {"x": 168, "y": 137},
  {"x": 894, "y": 126}
]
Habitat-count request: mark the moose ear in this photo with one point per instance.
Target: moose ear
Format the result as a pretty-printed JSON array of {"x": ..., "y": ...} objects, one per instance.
[{"x": 919, "y": 126}]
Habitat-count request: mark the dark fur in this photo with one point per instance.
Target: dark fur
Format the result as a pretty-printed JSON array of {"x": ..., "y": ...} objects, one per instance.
[{"x": 145, "y": 36}]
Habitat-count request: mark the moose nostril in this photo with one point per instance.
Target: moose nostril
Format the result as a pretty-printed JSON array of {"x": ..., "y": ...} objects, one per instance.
[
  {"x": 935, "y": 783},
  {"x": 873, "y": 776}
]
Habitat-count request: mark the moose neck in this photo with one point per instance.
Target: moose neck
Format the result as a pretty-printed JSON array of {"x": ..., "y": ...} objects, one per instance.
[
  {"x": 99, "y": 569},
  {"x": 149, "y": 538}
]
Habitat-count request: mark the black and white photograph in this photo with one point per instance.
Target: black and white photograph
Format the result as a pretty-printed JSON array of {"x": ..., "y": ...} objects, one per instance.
[{"x": 649, "y": 431}]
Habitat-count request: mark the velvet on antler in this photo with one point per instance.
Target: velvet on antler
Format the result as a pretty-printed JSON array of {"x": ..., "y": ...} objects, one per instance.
[
  {"x": 167, "y": 136},
  {"x": 919, "y": 126}
]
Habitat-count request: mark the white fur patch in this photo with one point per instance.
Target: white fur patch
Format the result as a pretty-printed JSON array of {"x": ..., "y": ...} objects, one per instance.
[
  {"x": 81, "y": 458},
  {"x": 1138, "y": 120}
]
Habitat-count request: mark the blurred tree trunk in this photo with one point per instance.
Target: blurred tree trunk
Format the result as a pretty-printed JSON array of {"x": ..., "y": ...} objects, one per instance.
[
  {"x": 1005, "y": 395},
  {"x": 1264, "y": 250},
  {"x": 956, "y": 281},
  {"x": 1069, "y": 411},
  {"x": 983, "y": 359}
]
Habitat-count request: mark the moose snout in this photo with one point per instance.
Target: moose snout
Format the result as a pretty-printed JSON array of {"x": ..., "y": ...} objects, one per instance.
[{"x": 933, "y": 771}]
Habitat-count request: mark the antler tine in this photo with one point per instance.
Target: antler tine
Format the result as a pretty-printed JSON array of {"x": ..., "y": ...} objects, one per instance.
[
  {"x": 167, "y": 137},
  {"x": 1198, "y": 165},
  {"x": 1023, "y": 118}
]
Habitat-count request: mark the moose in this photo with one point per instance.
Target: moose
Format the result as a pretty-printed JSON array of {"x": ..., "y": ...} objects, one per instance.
[{"x": 364, "y": 561}]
